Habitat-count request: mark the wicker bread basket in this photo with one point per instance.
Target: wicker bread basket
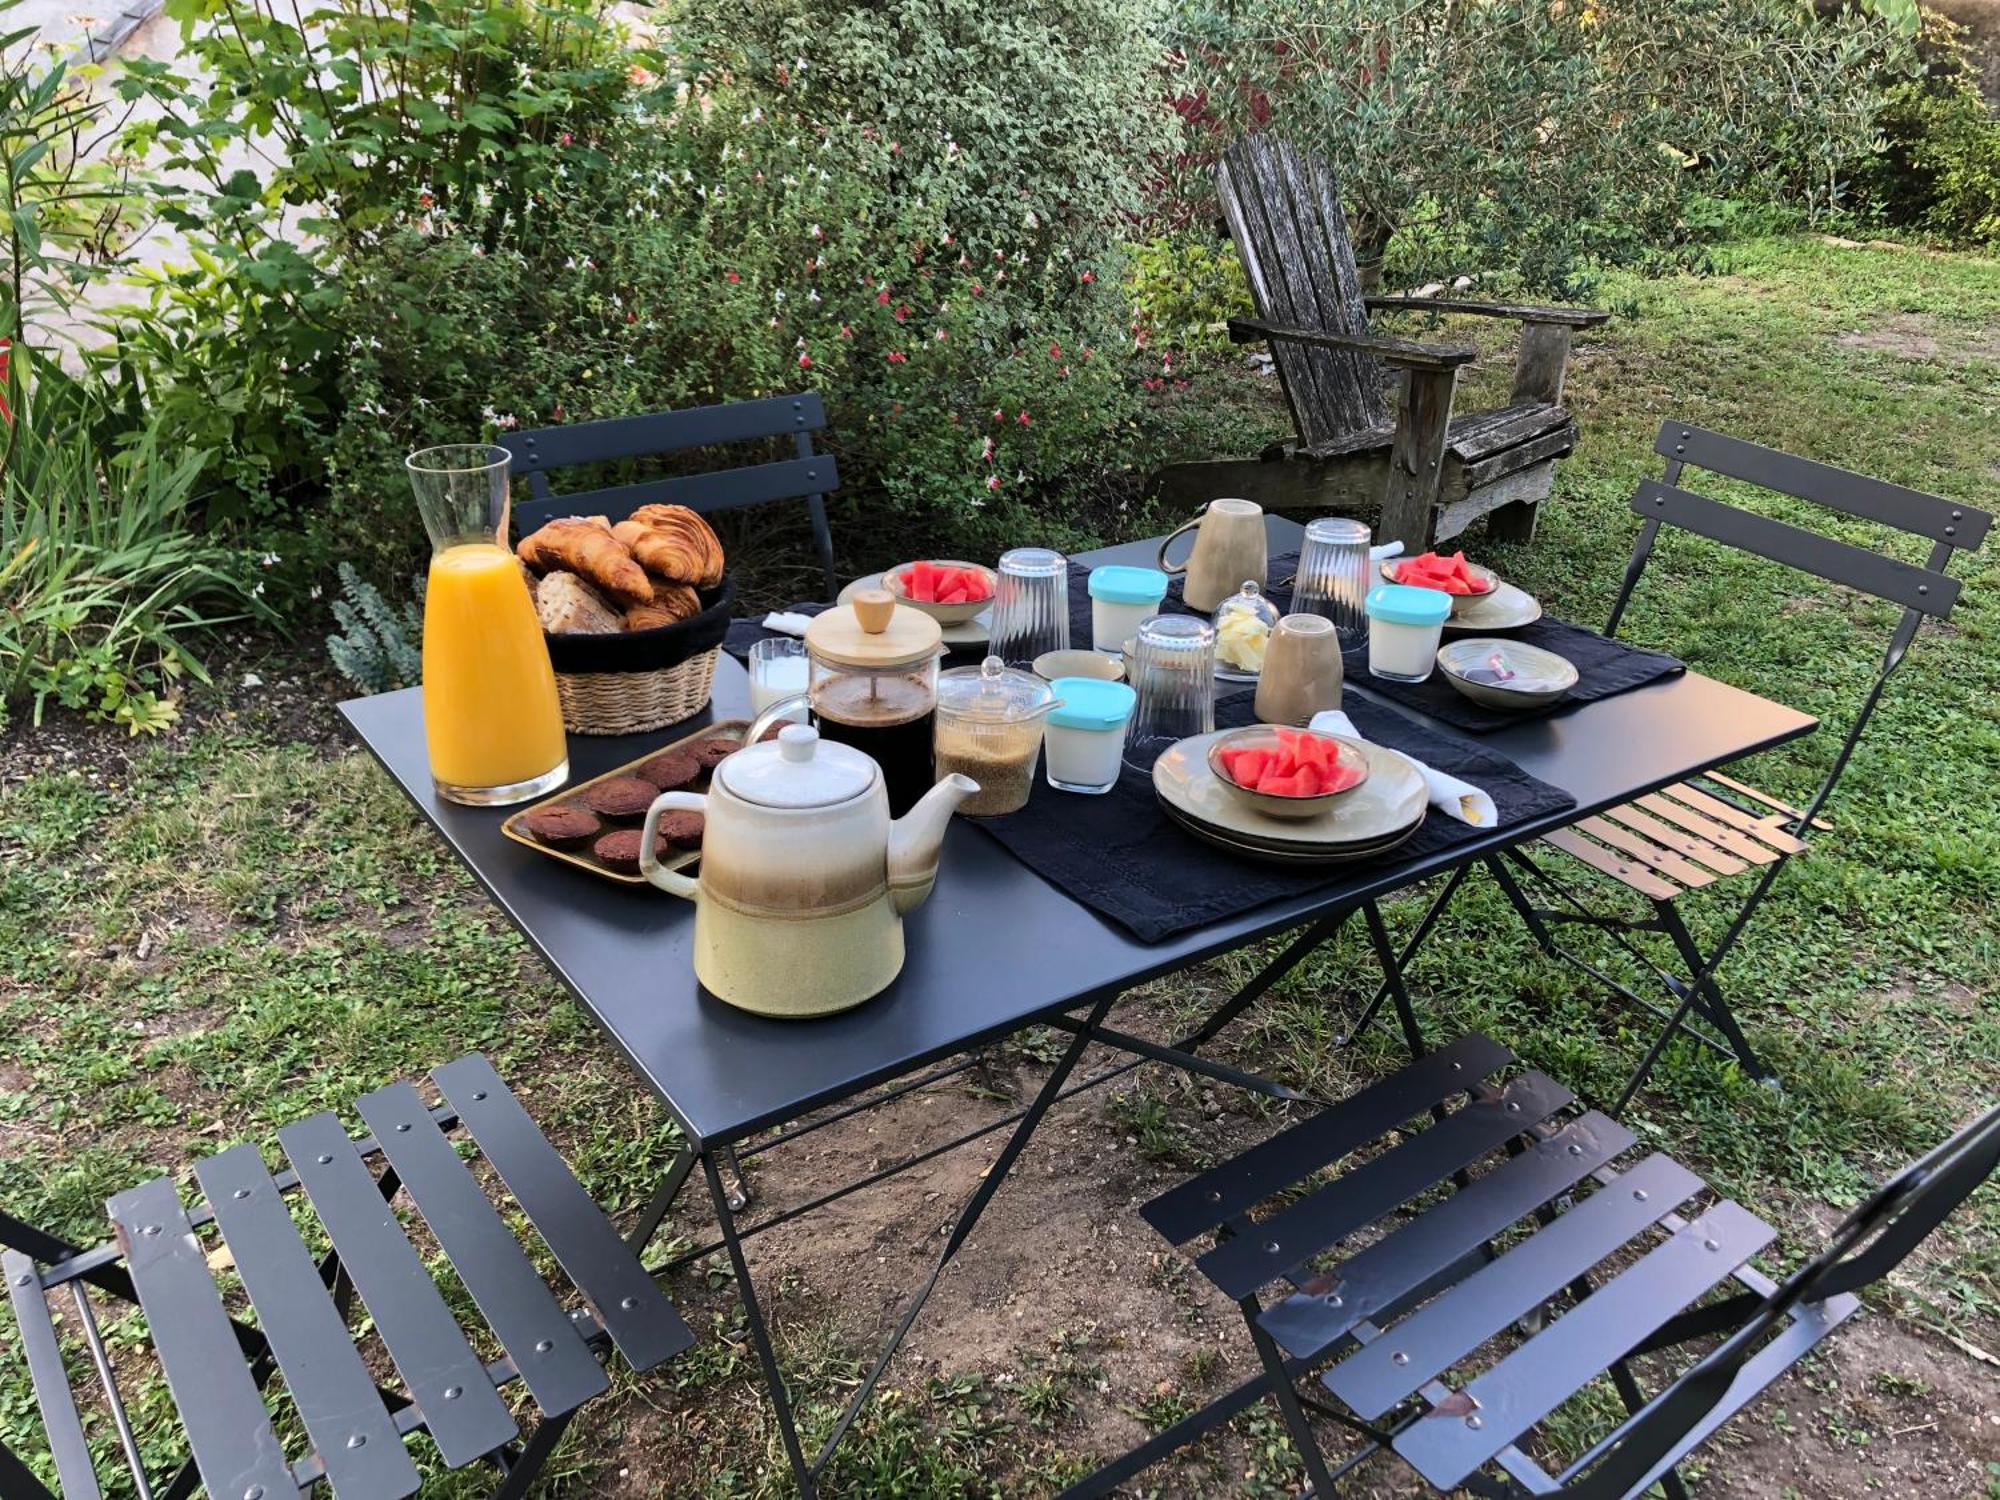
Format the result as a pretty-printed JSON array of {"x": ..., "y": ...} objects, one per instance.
[{"x": 642, "y": 679}]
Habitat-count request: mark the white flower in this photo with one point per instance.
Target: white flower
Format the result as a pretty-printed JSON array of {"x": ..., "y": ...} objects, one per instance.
[
  {"x": 313, "y": 592},
  {"x": 269, "y": 560}
]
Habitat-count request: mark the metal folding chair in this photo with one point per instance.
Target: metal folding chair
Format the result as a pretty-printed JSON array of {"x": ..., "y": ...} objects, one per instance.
[
  {"x": 163, "y": 1257},
  {"x": 1690, "y": 835},
  {"x": 1489, "y": 1251},
  {"x": 809, "y": 475}
]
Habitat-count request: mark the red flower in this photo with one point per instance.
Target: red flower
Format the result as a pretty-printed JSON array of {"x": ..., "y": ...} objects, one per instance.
[
  {"x": 1084, "y": 352},
  {"x": 631, "y": 317},
  {"x": 1022, "y": 419},
  {"x": 993, "y": 481},
  {"x": 999, "y": 415},
  {"x": 805, "y": 361},
  {"x": 568, "y": 139},
  {"x": 731, "y": 276},
  {"x": 846, "y": 332},
  {"x": 1055, "y": 351},
  {"x": 898, "y": 357},
  {"x": 1088, "y": 277},
  {"x": 977, "y": 289},
  {"x": 902, "y": 311},
  {"x": 882, "y": 298}
]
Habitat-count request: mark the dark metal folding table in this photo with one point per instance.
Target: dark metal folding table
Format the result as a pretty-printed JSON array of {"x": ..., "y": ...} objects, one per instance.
[{"x": 727, "y": 1076}]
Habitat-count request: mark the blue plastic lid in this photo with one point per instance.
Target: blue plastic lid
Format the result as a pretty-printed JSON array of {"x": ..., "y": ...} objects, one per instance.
[
  {"x": 1404, "y": 604},
  {"x": 1091, "y": 702},
  {"x": 1115, "y": 584}
]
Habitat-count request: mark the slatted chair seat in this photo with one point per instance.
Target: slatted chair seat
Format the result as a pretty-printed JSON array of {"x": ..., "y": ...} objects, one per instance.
[
  {"x": 1686, "y": 836},
  {"x": 1509, "y": 435},
  {"x": 217, "y": 1366},
  {"x": 1488, "y": 1250}
]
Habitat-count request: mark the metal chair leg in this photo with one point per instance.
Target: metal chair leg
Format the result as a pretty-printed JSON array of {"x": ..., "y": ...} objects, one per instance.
[
  {"x": 533, "y": 1458},
  {"x": 1708, "y": 994},
  {"x": 1280, "y": 1382}
]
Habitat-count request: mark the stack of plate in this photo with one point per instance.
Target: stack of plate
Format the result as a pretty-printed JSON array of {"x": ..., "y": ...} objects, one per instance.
[{"x": 1377, "y": 816}]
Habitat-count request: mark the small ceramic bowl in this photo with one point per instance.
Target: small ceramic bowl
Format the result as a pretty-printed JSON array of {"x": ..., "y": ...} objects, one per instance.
[
  {"x": 1053, "y": 664},
  {"x": 1348, "y": 754},
  {"x": 1505, "y": 674},
  {"x": 1484, "y": 580},
  {"x": 944, "y": 614}
]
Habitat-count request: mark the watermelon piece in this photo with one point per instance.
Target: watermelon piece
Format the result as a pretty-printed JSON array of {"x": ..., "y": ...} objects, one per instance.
[
  {"x": 952, "y": 596},
  {"x": 976, "y": 586},
  {"x": 1247, "y": 767},
  {"x": 1275, "y": 785},
  {"x": 1310, "y": 783},
  {"x": 920, "y": 582},
  {"x": 1340, "y": 778}
]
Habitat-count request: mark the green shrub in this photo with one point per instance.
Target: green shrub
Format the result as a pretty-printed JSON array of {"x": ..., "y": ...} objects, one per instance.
[
  {"x": 727, "y": 251},
  {"x": 372, "y": 120},
  {"x": 1533, "y": 139},
  {"x": 1185, "y": 286},
  {"x": 379, "y": 645},
  {"x": 104, "y": 578},
  {"x": 1939, "y": 169}
]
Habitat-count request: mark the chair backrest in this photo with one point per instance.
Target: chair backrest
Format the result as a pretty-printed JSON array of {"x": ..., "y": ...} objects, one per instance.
[
  {"x": 1890, "y": 1223},
  {"x": 1922, "y": 591},
  {"x": 809, "y": 475},
  {"x": 1283, "y": 210}
]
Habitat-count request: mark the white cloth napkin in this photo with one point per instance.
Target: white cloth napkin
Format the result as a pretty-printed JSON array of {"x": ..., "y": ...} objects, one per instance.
[
  {"x": 787, "y": 623},
  {"x": 1450, "y": 796}
]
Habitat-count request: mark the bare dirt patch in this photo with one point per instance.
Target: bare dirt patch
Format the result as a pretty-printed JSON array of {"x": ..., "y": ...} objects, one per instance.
[{"x": 1913, "y": 336}]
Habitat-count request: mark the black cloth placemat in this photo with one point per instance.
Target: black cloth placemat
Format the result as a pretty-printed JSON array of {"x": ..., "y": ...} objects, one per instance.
[
  {"x": 743, "y": 634},
  {"x": 1604, "y": 668},
  {"x": 1120, "y": 855}
]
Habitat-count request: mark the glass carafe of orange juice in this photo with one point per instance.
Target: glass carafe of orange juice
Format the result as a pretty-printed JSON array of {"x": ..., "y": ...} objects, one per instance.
[{"x": 490, "y": 709}]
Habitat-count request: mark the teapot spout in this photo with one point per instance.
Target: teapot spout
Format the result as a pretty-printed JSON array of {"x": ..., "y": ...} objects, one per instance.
[{"x": 914, "y": 840}]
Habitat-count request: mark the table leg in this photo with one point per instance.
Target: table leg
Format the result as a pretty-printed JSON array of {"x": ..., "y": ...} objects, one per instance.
[
  {"x": 968, "y": 1217},
  {"x": 760, "y": 1335},
  {"x": 649, "y": 1221},
  {"x": 1301, "y": 948},
  {"x": 1408, "y": 955},
  {"x": 1392, "y": 969}
]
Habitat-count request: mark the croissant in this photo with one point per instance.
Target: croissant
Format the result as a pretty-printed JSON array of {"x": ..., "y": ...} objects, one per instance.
[
  {"x": 585, "y": 546},
  {"x": 675, "y": 542},
  {"x": 678, "y": 599}
]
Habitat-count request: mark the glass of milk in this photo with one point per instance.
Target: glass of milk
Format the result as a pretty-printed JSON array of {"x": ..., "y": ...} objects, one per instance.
[{"x": 778, "y": 670}]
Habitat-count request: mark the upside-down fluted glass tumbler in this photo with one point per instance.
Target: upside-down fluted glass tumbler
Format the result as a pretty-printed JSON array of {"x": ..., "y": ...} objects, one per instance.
[
  {"x": 1030, "y": 605},
  {"x": 1333, "y": 577},
  {"x": 1172, "y": 671}
]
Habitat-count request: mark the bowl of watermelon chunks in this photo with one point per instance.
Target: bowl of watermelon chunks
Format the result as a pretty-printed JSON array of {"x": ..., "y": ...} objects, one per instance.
[
  {"x": 949, "y": 592},
  {"x": 1287, "y": 773},
  {"x": 1452, "y": 575}
]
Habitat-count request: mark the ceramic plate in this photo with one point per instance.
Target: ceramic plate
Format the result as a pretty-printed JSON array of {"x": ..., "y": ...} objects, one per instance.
[
  {"x": 1328, "y": 855},
  {"x": 1388, "y": 802},
  {"x": 1506, "y": 608},
  {"x": 1539, "y": 677},
  {"x": 976, "y": 631}
]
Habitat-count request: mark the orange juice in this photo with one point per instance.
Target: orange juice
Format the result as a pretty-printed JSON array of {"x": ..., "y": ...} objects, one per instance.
[{"x": 490, "y": 708}]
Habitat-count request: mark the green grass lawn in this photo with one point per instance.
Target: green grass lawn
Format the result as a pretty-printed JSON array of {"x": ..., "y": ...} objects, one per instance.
[{"x": 208, "y": 937}]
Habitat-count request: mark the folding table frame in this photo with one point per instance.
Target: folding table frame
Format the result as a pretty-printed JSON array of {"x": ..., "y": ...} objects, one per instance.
[{"x": 1083, "y": 1028}]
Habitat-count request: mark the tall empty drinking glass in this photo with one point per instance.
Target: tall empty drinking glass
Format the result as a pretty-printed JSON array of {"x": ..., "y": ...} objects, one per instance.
[
  {"x": 1172, "y": 670},
  {"x": 1030, "y": 605},
  {"x": 1333, "y": 577},
  {"x": 491, "y": 714}
]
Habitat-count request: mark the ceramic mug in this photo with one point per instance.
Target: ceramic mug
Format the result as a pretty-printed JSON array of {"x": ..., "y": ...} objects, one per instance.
[
  {"x": 1228, "y": 548},
  {"x": 1302, "y": 671}
]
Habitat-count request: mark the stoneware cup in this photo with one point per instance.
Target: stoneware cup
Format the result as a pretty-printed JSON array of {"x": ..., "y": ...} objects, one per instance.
[
  {"x": 1302, "y": 671},
  {"x": 1228, "y": 548}
]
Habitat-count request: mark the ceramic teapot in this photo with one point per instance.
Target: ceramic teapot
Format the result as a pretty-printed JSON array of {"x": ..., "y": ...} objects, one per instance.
[{"x": 804, "y": 877}]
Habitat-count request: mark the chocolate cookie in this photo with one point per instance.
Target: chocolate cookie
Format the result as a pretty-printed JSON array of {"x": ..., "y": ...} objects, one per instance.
[
  {"x": 562, "y": 827},
  {"x": 773, "y": 732},
  {"x": 622, "y": 799},
  {"x": 682, "y": 830},
  {"x": 619, "y": 851},
  {"x": 669, "y": 769},
  {"x": 710, "y": 753}
]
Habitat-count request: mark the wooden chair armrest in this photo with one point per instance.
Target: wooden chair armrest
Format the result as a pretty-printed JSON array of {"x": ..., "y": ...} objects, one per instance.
[
  {"x": 1573, "y": 317},
  {"x": 1406, "y": 353}
]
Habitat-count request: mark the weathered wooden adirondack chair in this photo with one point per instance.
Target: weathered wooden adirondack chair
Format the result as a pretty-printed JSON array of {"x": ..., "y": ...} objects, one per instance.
[{"x": 1434, "y": 473}]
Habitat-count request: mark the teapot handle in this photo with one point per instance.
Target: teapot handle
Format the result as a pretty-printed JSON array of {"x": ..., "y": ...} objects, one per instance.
[
  {"x": 1169, "y": 539},
  {"x": 649, "y": 862}
]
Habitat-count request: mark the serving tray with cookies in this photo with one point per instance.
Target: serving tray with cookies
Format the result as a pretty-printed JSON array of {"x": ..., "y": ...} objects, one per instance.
[{"x": 595, "y": 824}]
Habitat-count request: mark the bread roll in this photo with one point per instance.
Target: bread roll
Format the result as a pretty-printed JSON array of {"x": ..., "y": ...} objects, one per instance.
[
  {"x": 569, "y": 606},
  {"x": 585, "y": 546}
]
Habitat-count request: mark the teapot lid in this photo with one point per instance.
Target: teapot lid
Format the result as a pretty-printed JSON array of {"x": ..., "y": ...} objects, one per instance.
[
  {"x": 797, "y": 770},
  {"x": 873, "y": 630}
]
